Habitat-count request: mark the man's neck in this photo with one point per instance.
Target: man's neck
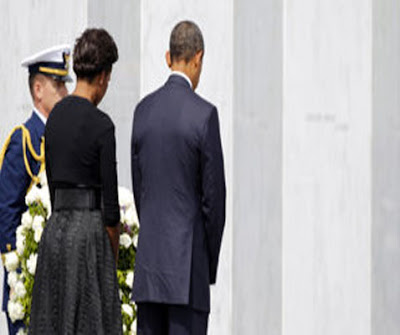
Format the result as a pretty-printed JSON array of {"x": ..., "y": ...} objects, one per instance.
[
  {"x": 40, "y": 114},
  {"x": 182, "y": 74}
]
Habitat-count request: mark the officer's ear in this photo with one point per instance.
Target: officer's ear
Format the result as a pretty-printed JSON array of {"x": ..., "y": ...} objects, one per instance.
[{"x": 38, "y": 88}]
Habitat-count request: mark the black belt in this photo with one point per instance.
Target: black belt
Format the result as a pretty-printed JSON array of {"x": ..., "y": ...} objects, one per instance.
[{"x": 77, "y": 198}]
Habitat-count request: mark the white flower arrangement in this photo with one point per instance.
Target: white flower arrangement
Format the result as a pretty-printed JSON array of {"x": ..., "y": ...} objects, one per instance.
[
  {"x": 22, "y": 331},
  {"x": 129, "y": 279},
  {"x": 15, "y": 310},
  {"x": 12, "y": 279},
  {"x": 31, "y": 264},
  {"x": 11, "y": 261},
  {"x": 127, "y": 309},
  {"x": 127, "y": 253},
  {"x": 21, "y": 264}
]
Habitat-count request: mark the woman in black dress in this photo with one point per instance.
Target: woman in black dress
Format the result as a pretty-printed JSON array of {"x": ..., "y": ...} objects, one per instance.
[{"x": 76, "y": 288}]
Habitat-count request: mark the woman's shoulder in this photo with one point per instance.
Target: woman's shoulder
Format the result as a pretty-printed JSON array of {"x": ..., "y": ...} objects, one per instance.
[{"x": 104, "y": 119}]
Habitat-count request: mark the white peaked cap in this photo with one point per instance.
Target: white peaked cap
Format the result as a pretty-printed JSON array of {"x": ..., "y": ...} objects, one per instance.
[{"x": 53, "y": 61}]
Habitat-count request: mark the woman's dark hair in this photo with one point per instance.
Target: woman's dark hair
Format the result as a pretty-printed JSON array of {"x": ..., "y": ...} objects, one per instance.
[{"x": 94, "y": 52}]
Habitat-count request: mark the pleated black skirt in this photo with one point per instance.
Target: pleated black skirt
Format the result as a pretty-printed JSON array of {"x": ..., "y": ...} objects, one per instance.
[{"x": 76, "y": 287}]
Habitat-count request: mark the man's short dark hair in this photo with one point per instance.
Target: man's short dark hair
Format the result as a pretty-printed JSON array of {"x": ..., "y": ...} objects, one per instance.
[
  {"x": 94, "y": 52},
  {"x": 186, "y": 40}
]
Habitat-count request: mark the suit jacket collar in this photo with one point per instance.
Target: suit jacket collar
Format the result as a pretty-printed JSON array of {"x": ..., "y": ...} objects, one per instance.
[{"x": 175, "y": 79}]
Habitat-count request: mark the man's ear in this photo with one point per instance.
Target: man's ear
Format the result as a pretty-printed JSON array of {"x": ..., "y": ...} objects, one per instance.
[
  {"x": 198, "y": 57},
  {"x": 38, "y": 89},
  {"x": 168, "y": 59}
]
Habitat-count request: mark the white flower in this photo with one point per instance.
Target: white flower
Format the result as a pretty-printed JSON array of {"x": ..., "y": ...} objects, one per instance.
[
  {"x": 20, "y": 231},
  {"x": 12, "y": 296},
  {"x": 42, "y": 179},
  {"x": 20, "y": 243},
  {"x": 124, "y": 328},
  {"x": 133, "y": 327},
  {"x": 27, "y": 220},
  {"x": 44, "y": 195},
  {"x": 15, "y": 311},
  {"x": 127, "y": 309},
  {"x": 20, "y": 289},
  {"x": 125, "y": 240},
  {"x": 129, "y": 279},
  {"x": 33, "y": 195},
  {"x": 48, "y": 212},
  {"x": 37, "y": 226},
  {"x": 135, "y": 240},
  {"x": 11, "y": 261},
  {"x": 130, "y": 217},
  {"x": 12, "y": 279},
  {"x": 38, "y": 221},
  {"x": 22, "y": 331},
  {"x": 125, "y": 197},
  {"x": 121, "y": 294},
  {"x": 31, "y": 263},
  {"x": 38, "y": 234}
]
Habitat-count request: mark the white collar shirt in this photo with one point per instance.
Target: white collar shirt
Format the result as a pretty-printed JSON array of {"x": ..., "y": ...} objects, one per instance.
[
  {"x": 40, "y": 115},
  {"x": 183, "y": 75}
]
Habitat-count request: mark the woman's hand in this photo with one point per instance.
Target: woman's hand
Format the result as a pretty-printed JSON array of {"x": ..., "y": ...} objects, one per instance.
[{"x": 113, "y": 234}]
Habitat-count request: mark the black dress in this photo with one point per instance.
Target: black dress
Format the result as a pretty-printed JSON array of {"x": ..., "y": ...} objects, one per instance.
[{"x": 76, "y": 288}]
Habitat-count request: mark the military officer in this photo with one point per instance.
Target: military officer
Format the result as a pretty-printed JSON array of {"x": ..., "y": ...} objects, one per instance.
[{"x": 19, "y": 161}]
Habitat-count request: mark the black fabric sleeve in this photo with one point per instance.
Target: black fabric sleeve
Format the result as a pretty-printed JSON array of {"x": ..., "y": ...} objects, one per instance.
[
  {"x": 49, "y": 176},
  {"x": 213, "y": 190},
  {"x": 108, "y": 174}
]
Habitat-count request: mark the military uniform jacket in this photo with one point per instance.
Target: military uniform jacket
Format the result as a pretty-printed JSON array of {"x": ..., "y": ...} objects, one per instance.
[
  {"x": 179, "y": 189},
  {"x": 15, "y": 181}
]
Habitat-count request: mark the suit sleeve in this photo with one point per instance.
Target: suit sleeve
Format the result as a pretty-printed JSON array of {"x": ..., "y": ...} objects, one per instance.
[
  {"x": 14, "y": 182},
  {"x": 213, "y": 190},
  {"x": 135, "y": 170}
]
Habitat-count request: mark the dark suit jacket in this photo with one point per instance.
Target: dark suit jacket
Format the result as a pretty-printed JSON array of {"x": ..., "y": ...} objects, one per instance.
[
  {"x": 179, "y": 188},
  {"x": 14, "y": 182}
]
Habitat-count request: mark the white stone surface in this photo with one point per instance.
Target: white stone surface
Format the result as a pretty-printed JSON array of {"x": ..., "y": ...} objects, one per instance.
[
  {"x": 386, "y": 169},
  {"x": 216, "y": 85},
  {"x": 123, "y": 23},
  {"x": 257, "y": 165},
  {"x": 28, "y": 27},
  {"x": 327, "y": 167}
]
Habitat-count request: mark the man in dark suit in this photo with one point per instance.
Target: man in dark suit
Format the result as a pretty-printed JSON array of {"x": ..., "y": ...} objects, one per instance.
[
  {"x": 179, "y": 189},
  {"x": 48, "y": 72}
]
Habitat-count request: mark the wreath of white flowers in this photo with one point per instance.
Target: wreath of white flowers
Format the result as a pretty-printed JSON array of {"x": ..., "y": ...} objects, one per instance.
[{"x": 21, "y": 263}]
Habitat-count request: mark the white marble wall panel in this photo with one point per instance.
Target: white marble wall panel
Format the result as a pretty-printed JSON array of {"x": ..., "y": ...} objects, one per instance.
[
  {"x": 327, "y": 167},
  {"x": 216, "y": 84},
  {"x": 123, "y": 23},
  {"x": 386, "y": 169},
  {"x": 257, "y": 181}
]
